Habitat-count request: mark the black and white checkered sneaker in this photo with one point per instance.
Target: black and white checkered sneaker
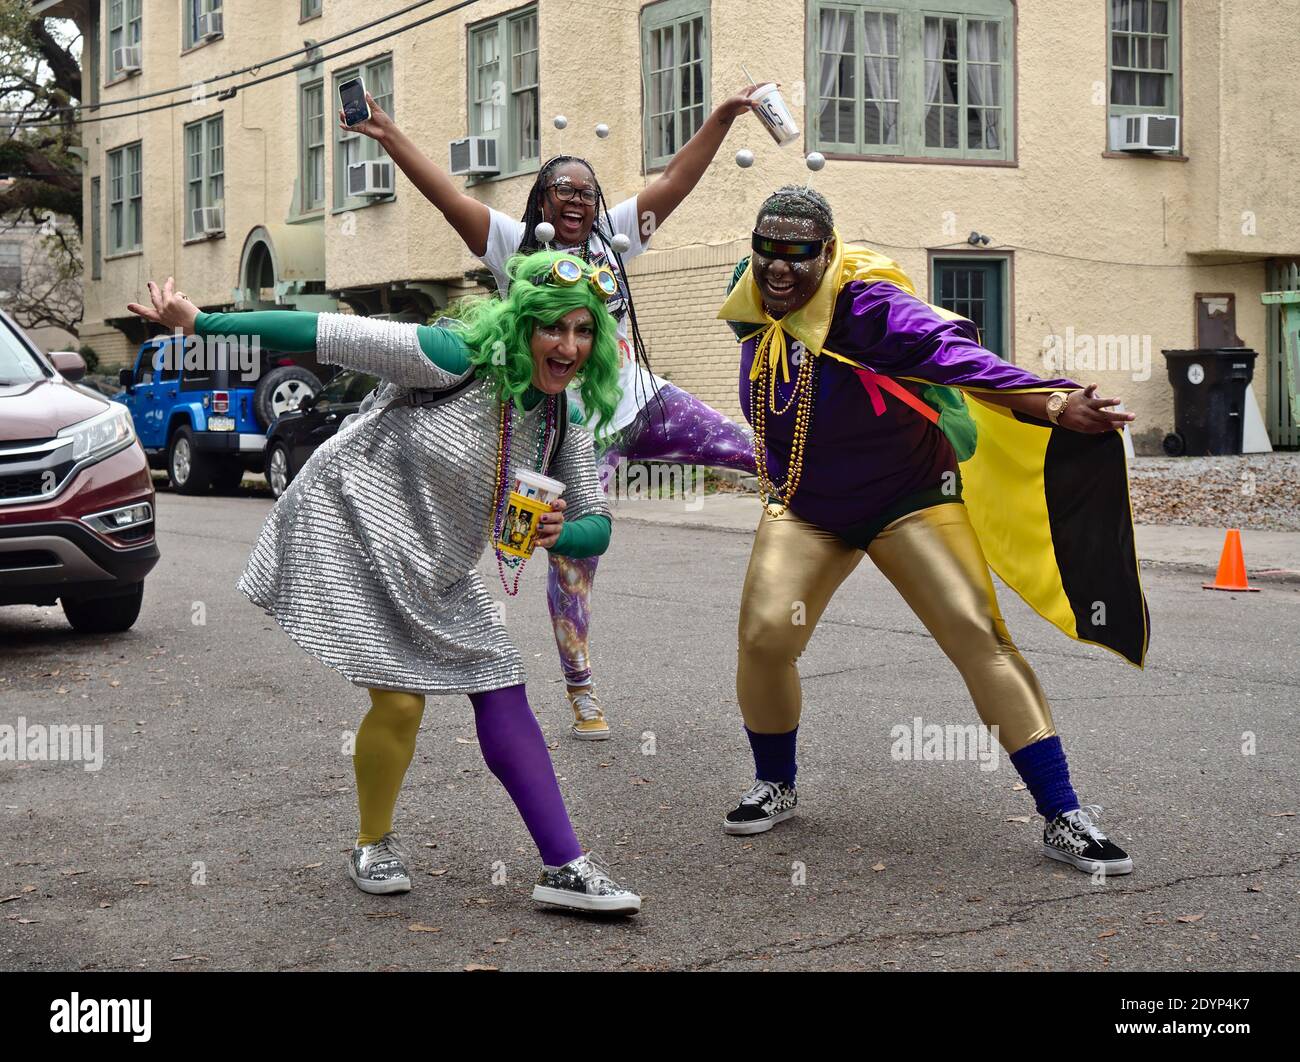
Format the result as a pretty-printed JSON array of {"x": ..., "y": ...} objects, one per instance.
[
  {"x": 766, "y": 804},
  {"x": 1073, "y": 837}
]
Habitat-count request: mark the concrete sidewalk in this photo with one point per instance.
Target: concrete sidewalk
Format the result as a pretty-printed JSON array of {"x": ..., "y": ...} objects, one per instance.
[{"x": 1272, "y": 555}]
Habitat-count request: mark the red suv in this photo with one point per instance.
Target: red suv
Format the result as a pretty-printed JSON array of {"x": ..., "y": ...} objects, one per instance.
[{"x": 76, "y": 497}]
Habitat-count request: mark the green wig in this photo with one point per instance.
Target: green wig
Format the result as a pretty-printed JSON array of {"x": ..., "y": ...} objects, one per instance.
[{"x": 499, "y": 332}]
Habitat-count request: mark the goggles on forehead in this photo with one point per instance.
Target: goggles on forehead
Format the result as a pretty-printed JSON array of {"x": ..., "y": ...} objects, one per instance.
[
  {"x": 566, "y": 272},
  {"x": 790, "y": 250}
]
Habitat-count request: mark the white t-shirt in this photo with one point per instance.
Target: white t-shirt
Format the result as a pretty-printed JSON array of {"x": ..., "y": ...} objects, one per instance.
[{"x": 637, "y": 383}]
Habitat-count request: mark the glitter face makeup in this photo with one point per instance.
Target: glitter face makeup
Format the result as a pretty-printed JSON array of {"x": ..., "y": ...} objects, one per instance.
[{"x": 787, "y": 284}]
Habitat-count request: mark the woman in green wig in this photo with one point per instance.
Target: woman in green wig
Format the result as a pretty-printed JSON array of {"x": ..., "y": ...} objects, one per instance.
[{"x": 368, "y": 560}]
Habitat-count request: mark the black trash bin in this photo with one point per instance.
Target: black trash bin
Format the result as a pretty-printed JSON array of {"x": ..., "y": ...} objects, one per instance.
[{"x": 1209, "y": 399}]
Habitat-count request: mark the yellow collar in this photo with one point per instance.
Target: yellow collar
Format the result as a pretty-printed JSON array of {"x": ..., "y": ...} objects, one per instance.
[{"x": 812, "y": 321}]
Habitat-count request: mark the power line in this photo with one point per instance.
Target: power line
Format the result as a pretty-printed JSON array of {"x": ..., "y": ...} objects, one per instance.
[
  {"x": 230, "y": 92},
  {"x": 241, "y": 70}
]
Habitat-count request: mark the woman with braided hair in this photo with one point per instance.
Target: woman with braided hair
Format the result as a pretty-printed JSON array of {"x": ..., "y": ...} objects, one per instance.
[
  {"x": 363, "y": 561},
  {"x": 902, "y": 439},
  {"x": 655, "y": 420}
]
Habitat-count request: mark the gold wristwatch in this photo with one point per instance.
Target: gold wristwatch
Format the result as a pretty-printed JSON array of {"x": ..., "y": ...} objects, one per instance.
[{"x": 1056, "y": 403}]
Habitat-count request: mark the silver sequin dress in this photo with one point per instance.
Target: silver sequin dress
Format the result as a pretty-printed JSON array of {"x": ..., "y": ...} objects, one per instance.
[{"x": 368, "y": 560}]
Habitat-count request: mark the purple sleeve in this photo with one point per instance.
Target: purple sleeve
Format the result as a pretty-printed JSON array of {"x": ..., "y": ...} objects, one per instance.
[{"x": 897, "y": 334}]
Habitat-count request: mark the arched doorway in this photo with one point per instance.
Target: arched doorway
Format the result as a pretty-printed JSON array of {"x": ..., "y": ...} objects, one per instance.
[{"x": 258, "y": 273}]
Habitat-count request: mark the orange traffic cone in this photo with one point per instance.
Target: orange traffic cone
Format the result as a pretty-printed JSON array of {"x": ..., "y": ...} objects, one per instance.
[{"x": 1232, "y": 567}]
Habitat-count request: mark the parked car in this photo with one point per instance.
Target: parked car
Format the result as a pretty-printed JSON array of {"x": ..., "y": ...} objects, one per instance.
[
  {"x": 76, "y": 497},
  {"x": 295, "y": 435},
  {"x": 207, "y": 426}
]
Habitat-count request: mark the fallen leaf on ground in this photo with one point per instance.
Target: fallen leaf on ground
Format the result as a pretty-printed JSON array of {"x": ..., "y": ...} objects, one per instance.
[
  {"x": 385, "y": 914},
  {"x": 478, "y": 967},
  {"x": 1281, "y": 814},
  {"x": 437, "y": 873},
  {"x": 1018, "y": 818},
  {"x": 1019, "y": 787},
  {"x": 1106, "y": 935},
  {"x": 420, "y": 927},
  {"x": 502, "y": 940},
  {"x": 29, "y": 921},
  {"x": 464, "y": 741},
  {"x": 180, "y": 958},
  {"x": 29, "y": 888},
  {"x": 879, "y": 866},
  {"x": 313, "y": 866},
  {"x": 144, "y": 882},
  {"x": 6, "y": 899},
  {"x": 1191, "y": 918},
  {"x": 1249, "y": 888},
  {"x": 640, "y": 781},
  {"x": 104, "y": 904}
]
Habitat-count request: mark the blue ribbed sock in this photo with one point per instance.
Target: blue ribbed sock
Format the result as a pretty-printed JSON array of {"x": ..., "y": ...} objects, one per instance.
[
  {"x": 1042, "y": 766},
  {"x": 773, "y": 756}
]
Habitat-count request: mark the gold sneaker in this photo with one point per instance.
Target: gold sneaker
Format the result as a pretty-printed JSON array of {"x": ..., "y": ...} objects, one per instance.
[{"x": 588, "y": 718}]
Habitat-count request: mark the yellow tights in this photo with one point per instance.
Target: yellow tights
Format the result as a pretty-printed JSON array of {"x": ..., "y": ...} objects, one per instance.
[{"x": 384, "y": 749}]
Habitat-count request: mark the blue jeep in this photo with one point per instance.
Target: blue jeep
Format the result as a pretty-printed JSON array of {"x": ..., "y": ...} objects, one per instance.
[{"x": 207, "y": 426}]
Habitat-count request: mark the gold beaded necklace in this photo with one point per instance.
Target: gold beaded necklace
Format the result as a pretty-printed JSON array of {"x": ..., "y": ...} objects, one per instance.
[{"x": 762, "y": 397}]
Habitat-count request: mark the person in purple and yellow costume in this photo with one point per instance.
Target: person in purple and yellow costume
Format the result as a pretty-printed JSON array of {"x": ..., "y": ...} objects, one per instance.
[{"x": 883, "y": 427}]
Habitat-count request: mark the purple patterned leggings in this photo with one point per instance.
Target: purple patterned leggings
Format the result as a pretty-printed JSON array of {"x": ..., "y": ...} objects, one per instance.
[{"x": 684, "y": 431}]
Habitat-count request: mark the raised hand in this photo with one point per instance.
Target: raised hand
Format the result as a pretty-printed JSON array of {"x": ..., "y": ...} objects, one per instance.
[
  {"x": 171, "y": 309},
  {"x": 378, "y": 126},
  {"x": 1087, "y": 413},
  {"x": 738, "y": 104}
]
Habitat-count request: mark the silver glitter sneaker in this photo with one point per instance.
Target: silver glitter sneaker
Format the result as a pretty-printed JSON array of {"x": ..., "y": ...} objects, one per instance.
[
  {"x": 584, "y": 884},
  {"x": 380, "y": 867}
]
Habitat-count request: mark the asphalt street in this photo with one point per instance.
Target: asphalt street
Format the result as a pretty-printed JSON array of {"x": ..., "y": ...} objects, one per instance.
[{"x": 215, "y": 833}]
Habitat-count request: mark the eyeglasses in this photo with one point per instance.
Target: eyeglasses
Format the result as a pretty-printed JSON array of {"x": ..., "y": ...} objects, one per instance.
[
  {"x": 566, "y": 193},
  {"x": 790, "y": 250},
  {"x": 566, "y": 272}
]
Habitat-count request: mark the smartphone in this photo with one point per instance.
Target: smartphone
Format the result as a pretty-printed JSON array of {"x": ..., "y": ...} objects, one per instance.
[{"x": 352, "y": 95}]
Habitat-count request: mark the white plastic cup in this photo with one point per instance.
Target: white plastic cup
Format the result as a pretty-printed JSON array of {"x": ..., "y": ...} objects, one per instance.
[
  {"x": 775, "y": 115},
  {"x": 530, "y": 484}
]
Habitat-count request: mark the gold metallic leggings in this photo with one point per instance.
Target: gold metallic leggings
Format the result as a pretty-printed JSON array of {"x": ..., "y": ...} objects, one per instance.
[{"x": 935, "y": 561}]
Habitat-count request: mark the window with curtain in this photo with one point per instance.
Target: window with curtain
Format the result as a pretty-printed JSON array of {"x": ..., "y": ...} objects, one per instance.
[
  {"x": 349, "y": 147},
  {"x": 504, "y": 84},
  {"x": 125, "y": 27},
  {"x": 909, "y": 80},
  {"x": 125, "y": 200},
  {"x": 311, "y": 110},
  {"x": 204, "y": 169},
  {"x": 675, "y": 74},
  {"x": 193, "y": 10},
  {"x": 1144, "y": 56}
]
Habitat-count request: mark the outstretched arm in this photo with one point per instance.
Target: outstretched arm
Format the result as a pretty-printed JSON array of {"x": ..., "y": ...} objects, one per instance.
[
  {"x": 665, "y": 193},
  {"x": 409, "y": 355},
  {"x": 467, "y": 215}
]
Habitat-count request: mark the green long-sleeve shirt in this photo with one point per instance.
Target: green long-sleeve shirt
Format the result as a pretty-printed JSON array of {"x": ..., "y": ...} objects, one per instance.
[{"x": 294, "y": 332}]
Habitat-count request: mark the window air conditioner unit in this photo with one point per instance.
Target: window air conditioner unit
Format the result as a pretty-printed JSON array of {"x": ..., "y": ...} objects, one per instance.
[
  {"x": 127, "y": 60},
  {"x": 1144, "y": 132},
  {"x": 474, "y": 154},
  {"x": 370, "y": 179},
  {"x": 208, "y": 221},
  {"x": 210, "y": 25}
]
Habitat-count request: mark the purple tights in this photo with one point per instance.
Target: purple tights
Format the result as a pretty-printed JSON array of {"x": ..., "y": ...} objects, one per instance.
[{"x": 515, "y": 751}]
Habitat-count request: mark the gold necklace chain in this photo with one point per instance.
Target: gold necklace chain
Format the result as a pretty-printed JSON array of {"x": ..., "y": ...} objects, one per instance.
[{"x": 805, "y": 390}]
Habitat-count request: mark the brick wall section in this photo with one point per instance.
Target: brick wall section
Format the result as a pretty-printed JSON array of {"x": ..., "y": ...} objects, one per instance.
[{"x": 678, "y": 294}]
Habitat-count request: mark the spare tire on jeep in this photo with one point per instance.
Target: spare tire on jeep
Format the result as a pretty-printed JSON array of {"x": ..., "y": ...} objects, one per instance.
[{"x": 281, "y": 390}]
